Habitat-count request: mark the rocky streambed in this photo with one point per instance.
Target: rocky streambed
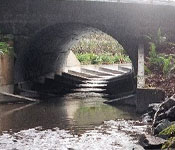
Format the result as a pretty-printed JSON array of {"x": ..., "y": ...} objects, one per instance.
[
  {"x": 70, "y": 123},
  {"x": 111, "y": 135},
  {"x": 162, "y": 118}
]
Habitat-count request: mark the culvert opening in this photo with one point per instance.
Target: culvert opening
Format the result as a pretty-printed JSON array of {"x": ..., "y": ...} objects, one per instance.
[{"x": 47, "y": 63}]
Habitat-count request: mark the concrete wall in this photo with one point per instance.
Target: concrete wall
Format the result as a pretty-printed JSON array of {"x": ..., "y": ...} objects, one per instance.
[
  {"x": 45, "y": 29},
  {"x": 72, "y": 62},
  {"x": 6, "y": 73}
]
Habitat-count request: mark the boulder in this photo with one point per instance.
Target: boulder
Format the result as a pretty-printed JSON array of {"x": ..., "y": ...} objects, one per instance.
[
  {"x": 153, "y": 107},
  {"x": 168, "y": 103},
  {"x": 161, "y": 126},
  {"x": 165, "y": 110},
  {"x": 151, "y": 142},
  {"x": 171, "y": 113}
]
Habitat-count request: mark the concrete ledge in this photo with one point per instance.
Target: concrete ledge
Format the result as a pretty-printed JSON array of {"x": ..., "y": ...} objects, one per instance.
[
  {"x": 125, "y": 100},
  {"x": 11, "y": 98},
  {"x": 148, "y": 96}
]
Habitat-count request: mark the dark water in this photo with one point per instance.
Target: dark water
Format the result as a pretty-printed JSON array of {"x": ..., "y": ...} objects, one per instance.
[
  {"x": 69, "y": 113},
  {"x": 69, "y": 123}
]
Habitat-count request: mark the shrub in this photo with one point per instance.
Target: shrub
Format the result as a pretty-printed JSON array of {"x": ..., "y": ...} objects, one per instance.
[
  {"x": 90, "y": 58},
  {"x": 164, "y": 64},
  {"x": 6, "y": 46},
  {"x": 170, "y": 132}
]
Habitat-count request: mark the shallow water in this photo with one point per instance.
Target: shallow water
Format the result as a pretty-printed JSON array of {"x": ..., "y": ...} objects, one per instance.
[{"x": 63, "y": 123}]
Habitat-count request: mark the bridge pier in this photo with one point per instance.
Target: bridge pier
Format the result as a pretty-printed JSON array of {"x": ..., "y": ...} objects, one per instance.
[{"x": 140, "y": 72}]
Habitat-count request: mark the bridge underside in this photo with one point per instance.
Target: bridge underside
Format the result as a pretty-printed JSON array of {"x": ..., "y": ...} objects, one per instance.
[
  {"x": 45, "y": 30},
  {"x": 48, "y": 50}
]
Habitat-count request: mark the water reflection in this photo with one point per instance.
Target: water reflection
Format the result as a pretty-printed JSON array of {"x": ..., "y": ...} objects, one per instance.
[{"x": 74, "y": 114}]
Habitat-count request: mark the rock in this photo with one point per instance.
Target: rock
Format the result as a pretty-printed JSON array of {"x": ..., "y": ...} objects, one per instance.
[
  {"x": 160, "y": 117},
  {"x": 169, "y": 103},
  {"x": 153, "y": 107},
  {"x": 146, "y": 118},
  {"x": 133, "y": 147},
  {"x": 165, "y": 109},
  {"x": 171, "y": 113},
  {"x": 151, "y": 142},
  {"x": 161, "y": 126}
]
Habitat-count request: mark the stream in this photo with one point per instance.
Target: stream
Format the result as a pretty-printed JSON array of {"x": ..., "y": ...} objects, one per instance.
[{"x": 69, "y": 123}]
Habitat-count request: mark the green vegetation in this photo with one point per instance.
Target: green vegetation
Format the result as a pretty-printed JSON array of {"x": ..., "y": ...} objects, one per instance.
[
  {"x": 170, "y": 133},
  {"x": 90, "y": 58},
  {"x": 6, "y": 45},
  {"x": 165, "y": 64},
  {"x": 99, "y": 48}
]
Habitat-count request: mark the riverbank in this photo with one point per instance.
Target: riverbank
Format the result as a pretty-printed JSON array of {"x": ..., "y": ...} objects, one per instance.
[{"x": 161, "y": 69}]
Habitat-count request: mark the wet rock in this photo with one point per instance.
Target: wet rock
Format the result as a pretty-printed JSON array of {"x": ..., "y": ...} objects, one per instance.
[
  {"x": 171, "y": 113},
  {"x": 146, "y": 118},
  {"x": 166, "y": 110},
  {"x": 135, "y": 147},
  {"x": 169, "y": 103},
  {"x": 153, "y": 107},
  {"x": 151, "y": 142},
  {"x": 161, "y": 126}
]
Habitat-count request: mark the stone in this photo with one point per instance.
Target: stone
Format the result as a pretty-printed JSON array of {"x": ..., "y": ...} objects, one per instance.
[
  {"x": 133, "y": 147},
  {"x": 151, "y": 142},
  {"x": 161, "y": 126},
  {"x": 153, "y": 107},
  {"x": 169, "y": 103},
  {"x": 146, "y": 118},
  {"x": 171, "y": 113}
]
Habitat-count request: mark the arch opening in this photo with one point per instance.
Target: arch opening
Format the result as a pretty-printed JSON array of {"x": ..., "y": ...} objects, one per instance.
[{"x": 49, "y": 50}]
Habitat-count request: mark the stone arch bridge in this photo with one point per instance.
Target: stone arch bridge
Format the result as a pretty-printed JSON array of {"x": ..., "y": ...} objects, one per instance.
[{"x": 44, "y": 30}]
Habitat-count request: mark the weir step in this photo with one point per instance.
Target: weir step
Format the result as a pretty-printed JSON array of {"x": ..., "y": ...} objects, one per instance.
[
  {"x": 96, "y": 72},
  {"x": 82, "y": 74},
  {"x": 98, "y": 90},
  {"x": 124, "y": 68},
  {"x": 116, "y": 72},
  {"x": 91, "y": 85},
  {"x": 87, "y": 80}
]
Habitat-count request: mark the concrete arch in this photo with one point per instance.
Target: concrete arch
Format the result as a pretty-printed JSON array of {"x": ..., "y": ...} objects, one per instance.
[{"x": 49, "y": 48}]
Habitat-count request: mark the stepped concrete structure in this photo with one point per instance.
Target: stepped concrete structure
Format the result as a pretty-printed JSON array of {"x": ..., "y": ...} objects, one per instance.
[{"x": 44, "y": 30}]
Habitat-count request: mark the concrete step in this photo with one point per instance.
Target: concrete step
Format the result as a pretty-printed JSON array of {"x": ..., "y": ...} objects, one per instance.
[
  {"x": 125, "y": 100},
  {"x": 91, "y": 85},
  {"x": 95, "y": 81},
  {"x": 68, "y": 77},
  {"x": 96, "y": 90},
  {"x": 111, "y": 70},
  {"x": 96, "y": 72},
  {"x": 124, "y": 68},
  {"x": 11, "y": 98},
  {"x": 82, "y": 74}
]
